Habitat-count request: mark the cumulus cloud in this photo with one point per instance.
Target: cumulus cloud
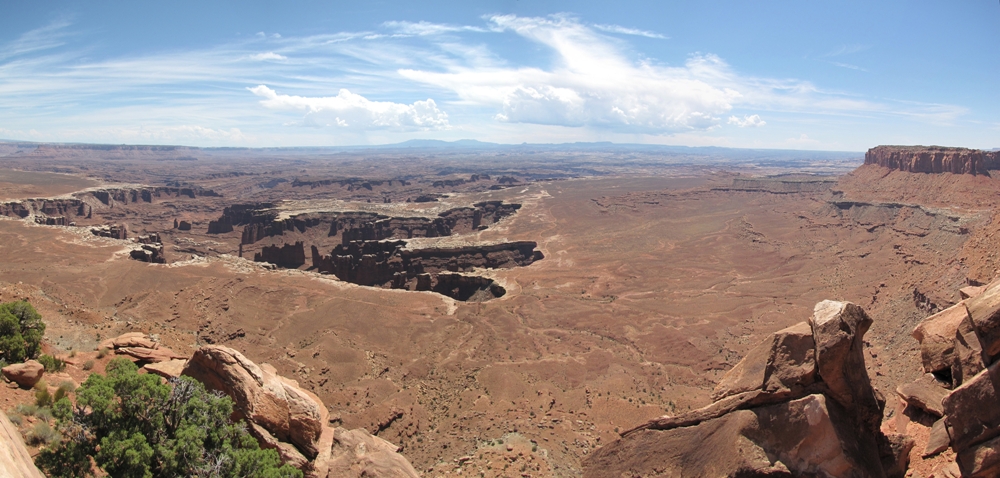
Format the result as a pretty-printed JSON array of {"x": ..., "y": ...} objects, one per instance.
[
  {"x": 352, "y": 110},
  {"x": 268, "y": 56},
  {"x": 751, "y": 121},
  {"x": 592, "y": 84}
]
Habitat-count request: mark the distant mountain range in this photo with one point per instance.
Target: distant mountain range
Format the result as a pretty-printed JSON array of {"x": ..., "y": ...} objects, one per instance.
[{"x": 472, "y": 145}]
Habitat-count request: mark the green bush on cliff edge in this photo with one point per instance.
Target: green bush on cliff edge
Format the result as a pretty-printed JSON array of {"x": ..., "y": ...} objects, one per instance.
[
  {"x": 21, "y": 331},
  {"x": 133, "y": 425}
]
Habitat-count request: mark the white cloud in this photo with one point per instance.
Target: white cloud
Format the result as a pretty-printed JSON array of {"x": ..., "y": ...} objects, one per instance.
[
  {"x": 847, "y": 65},
  {"x": 428, "y": 28},
  {"x": 629, "y": 31},
  {"x": 268, "y": 56},
  {"x": 349, "y": 109},
  {"x": 802, "y": 140},
  {"x": 592, "y": 84},
  {"x": 751, "y": 121}
]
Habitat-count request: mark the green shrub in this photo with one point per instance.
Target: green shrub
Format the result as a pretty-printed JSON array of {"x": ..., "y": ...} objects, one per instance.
[
  {"x": 26, "y": 409},
  {"x": 51, "y": 363},
  {"x": 42, "y": 396},
  {"x": 21, "y": 331},
  {"x": 44, "y": 413},
  {"x": 41, "y": 434},
  {"x": 88, "y": 365},
  {"x": 15, "y": 418},
  {"x": 134, "y": 425}
]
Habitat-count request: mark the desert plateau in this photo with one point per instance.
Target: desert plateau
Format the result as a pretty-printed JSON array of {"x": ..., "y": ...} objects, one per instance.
[{"x": 491, "y": 320}]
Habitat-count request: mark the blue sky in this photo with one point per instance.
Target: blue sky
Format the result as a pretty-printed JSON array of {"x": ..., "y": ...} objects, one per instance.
[{"x": 795, "y": 75}]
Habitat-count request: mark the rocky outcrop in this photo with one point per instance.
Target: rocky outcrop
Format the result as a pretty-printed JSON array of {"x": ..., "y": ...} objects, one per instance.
[
  {"x": 26, "y": 374},
  {"x": 960, "y": 346},
  {"x": 933, "y": 159},
  {"x": 260, "y": 221},
  {"x": 114, "y": 231},
  {"x": 219, "y": 227},
  {"x": 293, "y": 421},
  {"x": 391, "y": 264},
  {"x": 152, "y": 253},
  {"x": 289, "y": 256},
  {"x": 128, "y": 339},
  {"x": 47, "y": 209},
  {"x": 799, "y": 404},
  {"x": 139, "y": 347},
  {"x": 15, "y": 460},
  {"x": 781, "y": 184},
  {"x": 109, "y": 197}
]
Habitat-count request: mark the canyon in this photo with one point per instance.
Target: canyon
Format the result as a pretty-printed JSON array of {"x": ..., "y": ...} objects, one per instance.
[{"x": 521, "y": 317}]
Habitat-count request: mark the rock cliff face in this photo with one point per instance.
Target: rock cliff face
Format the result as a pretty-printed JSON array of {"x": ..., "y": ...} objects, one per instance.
[
  {"x": 389, "y": 264},
  {"x": 934, "y": 159},
  {"x": 46, "y": 207},
  {"x": 260, "y": 221},
  {"x": 289, "y": 256},
  {"x": 799, "y": 404},
  {"x": 133, "y": 195}
]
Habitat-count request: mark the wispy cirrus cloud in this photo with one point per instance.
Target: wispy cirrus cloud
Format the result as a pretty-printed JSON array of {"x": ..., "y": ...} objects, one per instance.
[{"x": 629, "y": 31}]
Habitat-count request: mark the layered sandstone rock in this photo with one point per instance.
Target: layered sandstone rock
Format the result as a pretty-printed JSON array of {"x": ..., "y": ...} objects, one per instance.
[
  {"x": 128, "y": 339},
  {"x": 25, "y": 374},
  {"x": 139, "y": 347},
  {"x": 933, "y": 159},
  {"x": 800, "y": 403},
  {"x": 15, "y": 461}
]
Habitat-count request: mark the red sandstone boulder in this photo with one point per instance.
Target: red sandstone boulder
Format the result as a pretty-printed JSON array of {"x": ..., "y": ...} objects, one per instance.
[
  {"x": 781, "y": 366},
  {"x": 936, "y": 335},
  {"x": 291, "y": 420},
  {"x": 167, "y": 369},
  {"x": 25, "y": 374},
  {"x": 924, "y": 393},
  {"x": 980, "y": 461},
  {"x": 985, "y": 313},
  {"x": 359, "y": 454},
  {"x": 972, "y": 414},
  {"x": 839, "y": 329},
  {"x": 810, "y": 436},
  {"x": 260, "y": 396},
  {"x": 143, "y": 354},
  {"x": 129, "y": 339},
  {"x": 971, "y": 291},
  {"x": 939, "y": 440}
]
